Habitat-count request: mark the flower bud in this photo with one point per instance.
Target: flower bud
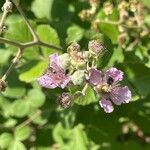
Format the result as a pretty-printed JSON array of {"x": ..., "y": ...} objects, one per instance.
[
  {"x": 96, "y": 48},
  {"x": 74, "y": 47},
  {"x": 78, "y": 77},
  {"x": 65, "y": 100},
  {"x": 2, "y": 85},
  {"x": 64, "y": 61},
  {"x": 7, "y": 6}
]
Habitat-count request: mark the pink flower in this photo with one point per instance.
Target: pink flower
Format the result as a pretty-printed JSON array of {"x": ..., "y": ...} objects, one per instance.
[
  {"x": 54, "y": 76},
  {"x": 107, "y": 85}
]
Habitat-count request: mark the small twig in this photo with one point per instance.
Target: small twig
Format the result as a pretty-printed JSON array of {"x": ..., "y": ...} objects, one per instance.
[
  {"x": 21, "y": 46},
  {"x": 29, "y": 120},
  {"x": 35, "y": 36},
  {"x": 28, "y": 44},
  {"x": 118, "y": 23},
  {"x": 14, "y": 62},
  {"x": 4, "y": 40}
]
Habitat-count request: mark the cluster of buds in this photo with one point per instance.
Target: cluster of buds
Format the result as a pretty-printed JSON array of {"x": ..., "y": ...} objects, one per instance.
[
  {"x": 79, "y": 68},
  {"x": 131, "y": 14},
  {"x": 87, "y": 14}
]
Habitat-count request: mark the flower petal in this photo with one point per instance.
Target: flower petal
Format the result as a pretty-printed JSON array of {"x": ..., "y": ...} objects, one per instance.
[
  {"x": 65, "y": 81},
  {"x": 115, "y": 74},
  {"x": 47, "y": 82},
  {"x": 95, "y": 77},
  {"x": 120, "y": 95},
  {"x": 54, "y": 63},
  {"x": 106, "y": 105}
]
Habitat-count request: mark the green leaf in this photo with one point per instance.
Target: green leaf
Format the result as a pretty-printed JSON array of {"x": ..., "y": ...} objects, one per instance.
[
  {"x": 88, "y": 98},
  {"x": 42, "y": 9},
  {"x": 109, "y": 29},
  {"x": 36, "y": 98},
  {"x": 18, "y": 31},
  {"x": 6, "y": 55},
  {"x": 22, "y": 133},
  {"x": 147, "y": 20},
  {"x": 60, "y": 133},
  {"x": 117, "y": 57},
  {"x": 10, "y": 123},
  {"x": 80, "y": 138},
  {"x": 20, "y": 108},
  {"x": 15, "y": 92},
  {"x": 146, "y": 3},
  {"x": 5, "y": 140},
  {"x": 50, "y": 36},
  {"x": 33, "y": 70},
  {"x": 16, "y": 145},
  {"x": 139, "y": 76},
  {"x": 74, "y": 34}
]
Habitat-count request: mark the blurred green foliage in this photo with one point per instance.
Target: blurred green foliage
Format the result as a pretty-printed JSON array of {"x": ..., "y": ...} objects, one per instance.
[{"x": 30, "y": 116}]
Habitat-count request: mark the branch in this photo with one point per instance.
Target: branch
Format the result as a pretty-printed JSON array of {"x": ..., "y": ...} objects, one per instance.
[
  {"x": 29, "y": 120},
  {"x": 7, "y": 7},
  {"x": 118, "y": 23},
  {"x": 28, "y": 44},
  {"x": 14, "y": 62},
  {"x": 35, "y": 36}
]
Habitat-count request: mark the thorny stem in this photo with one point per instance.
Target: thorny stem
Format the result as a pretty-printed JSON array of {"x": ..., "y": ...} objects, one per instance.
[
  {"x": 21, "y": 46},
  {"x": 35, "y": 36}
]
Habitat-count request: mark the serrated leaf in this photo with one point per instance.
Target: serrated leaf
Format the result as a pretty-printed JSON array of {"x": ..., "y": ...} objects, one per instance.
[
  {"x": 74, "y": 34},
  {"x": 42, "y": 9},
  {"x": 33, "y": 71},
  {"x": 18, "y": 31},
  {"x": 50, "y": 36}
]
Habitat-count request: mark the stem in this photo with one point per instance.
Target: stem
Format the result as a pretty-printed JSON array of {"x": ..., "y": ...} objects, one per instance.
[
  {"x": 118, "y": 23},
  {"x": 29, "y": 120},
  {"x": 35, "y": 36},
  {"x": 4, "y": 40},
  {"x": 2, "y": 21},
  {"x": 14, "y": 62},
  {"x": 28, "y": 44}
]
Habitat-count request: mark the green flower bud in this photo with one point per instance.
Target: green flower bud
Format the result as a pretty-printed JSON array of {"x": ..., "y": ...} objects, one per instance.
[
  {"x": 78, "y": 77},
  {"x": 64, "y": 61}
]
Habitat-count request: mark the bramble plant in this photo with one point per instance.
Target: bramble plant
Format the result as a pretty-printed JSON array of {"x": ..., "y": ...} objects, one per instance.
[{"x": 58, "y": 56}]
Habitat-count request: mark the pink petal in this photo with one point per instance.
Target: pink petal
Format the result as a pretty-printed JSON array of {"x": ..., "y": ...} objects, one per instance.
[
  {"x": 120, "y": 95},
  {"x": 114, "y": 73},
  {"x": 65, "y": 82},
  {"x": 106, "y": 105},
  {"x": 46, "y": 81},
  {"x": 95, "y": 77}
]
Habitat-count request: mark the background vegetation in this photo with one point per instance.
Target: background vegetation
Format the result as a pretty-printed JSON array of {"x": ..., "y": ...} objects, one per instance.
[{"x": 30, "y": 117}]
